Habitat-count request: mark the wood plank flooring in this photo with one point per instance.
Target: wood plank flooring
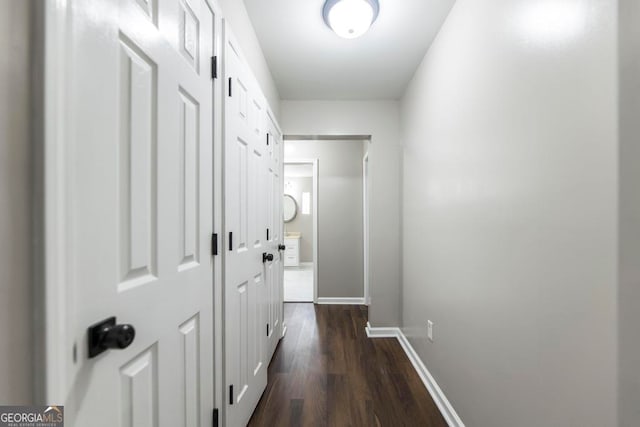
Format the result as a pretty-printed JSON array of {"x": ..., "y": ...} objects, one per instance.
[{"x": 326, "y": 372}]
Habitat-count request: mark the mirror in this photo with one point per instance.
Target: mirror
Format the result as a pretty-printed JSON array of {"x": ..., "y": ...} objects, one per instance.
[{"x": 289, "y": 208}]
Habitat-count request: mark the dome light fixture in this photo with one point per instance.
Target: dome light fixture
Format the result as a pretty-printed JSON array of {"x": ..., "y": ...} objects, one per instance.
[{"x": 350, "y": 18}]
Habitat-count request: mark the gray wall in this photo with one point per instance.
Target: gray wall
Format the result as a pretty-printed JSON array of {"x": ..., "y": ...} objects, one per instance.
[
  {"x": 340, "y": 239},
  {"x": 629, "y": 292},
  {"x": 301, "y": 223},
  {"x": 381, "y": 120},
  {"x": 510, "y": 212},
  {"x": 15, "y": 190}
]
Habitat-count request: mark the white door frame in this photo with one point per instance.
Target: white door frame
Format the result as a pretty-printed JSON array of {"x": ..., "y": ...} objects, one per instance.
[
  {"x": 56, "y": 171},
  {"x": 365, "y": 224},
  {"x": 314, "y": 163}
]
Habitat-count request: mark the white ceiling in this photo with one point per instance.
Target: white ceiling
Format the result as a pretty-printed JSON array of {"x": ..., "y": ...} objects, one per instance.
[{"x": 309, "y": 61}]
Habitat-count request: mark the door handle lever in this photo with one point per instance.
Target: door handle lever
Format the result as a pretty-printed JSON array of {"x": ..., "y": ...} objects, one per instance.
[
  {"x": 267, "y": 257},
  {"x": 281, "y": 247}
]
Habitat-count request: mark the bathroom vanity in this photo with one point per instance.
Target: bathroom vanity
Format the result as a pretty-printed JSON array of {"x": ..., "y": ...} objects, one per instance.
[{"x": 292, "y": 251}]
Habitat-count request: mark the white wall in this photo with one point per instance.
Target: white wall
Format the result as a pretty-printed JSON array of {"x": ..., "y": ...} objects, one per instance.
[
  {"x": 381, "y": 120},
  {"x": 629, "y": 292},
  {"x": 235, "y": 13},
  {"x": 510, "y": 218},
  {"x": 15, "y": 184},
  {"x": 340, "y": 230}
]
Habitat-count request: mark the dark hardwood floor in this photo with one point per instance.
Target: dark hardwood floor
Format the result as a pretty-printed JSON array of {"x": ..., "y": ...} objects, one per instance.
[{"x": 326, "y": 372}]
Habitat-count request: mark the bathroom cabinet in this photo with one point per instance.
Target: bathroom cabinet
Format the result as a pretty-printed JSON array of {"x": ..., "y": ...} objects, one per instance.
[{"x": 292, "y": 252}]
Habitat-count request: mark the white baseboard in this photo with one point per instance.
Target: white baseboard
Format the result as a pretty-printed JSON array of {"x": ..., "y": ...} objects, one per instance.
[
  {"x": 381, "y": 332},
  {"x": 341, "y": 301},
  {"x": 438, "y": 396}
]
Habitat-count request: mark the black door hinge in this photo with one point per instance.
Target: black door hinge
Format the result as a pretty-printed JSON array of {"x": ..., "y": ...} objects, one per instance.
[
  {"x": 230, "y": 81},
  {"x": 230, "y": 240},
  {"x": 231, "y": 394},
  {"x": 267, "y": 234},
  {"x": 215, "y": 422},
  {"x": 214, "y": 244},
  {"x": 214, "y": 67},
  {"x": 267, "y": 329},
  {"x": 267, "y": 138}
]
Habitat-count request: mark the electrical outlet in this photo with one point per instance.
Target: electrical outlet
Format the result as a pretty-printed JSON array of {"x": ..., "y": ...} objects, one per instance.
[{"x": 430, "y": 330}]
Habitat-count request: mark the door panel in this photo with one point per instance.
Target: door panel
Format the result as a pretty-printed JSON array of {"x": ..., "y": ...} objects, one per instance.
[
  {"x": 190, "y": 373},
  {"x": 139, "y": 194},
  {"x": 139, "y": 390},
  {"x": 244, "y": 223},
  {"x": 275, "y": 225},
  {"x": 189, "y": 118},
  {"x": 138, "y": 183},
  {"x": 253, "y": 230}
]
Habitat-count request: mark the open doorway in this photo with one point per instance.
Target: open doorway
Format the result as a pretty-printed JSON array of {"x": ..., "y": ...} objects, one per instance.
[
  {"x": 335, "y": 199},
  {"x": 300, "y": 211}
]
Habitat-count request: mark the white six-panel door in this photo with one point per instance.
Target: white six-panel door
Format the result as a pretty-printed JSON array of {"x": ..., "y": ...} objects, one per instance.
[
  {"x": 252, "y": 217},
  {"x": 137, "y": 205},
  {"x": 275, "y": 269},
  {"x": 245, "y": 233}
]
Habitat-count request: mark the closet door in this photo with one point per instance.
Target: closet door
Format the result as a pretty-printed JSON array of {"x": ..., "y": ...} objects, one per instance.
[
  {"x": 274, "y": 271},
  {"x": 246, "y": 193},
  {"x": 136, "y": 213}
]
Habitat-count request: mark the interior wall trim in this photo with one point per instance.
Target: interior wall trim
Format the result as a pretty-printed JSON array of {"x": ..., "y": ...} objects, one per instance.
[
  {"x": 341, "y": 301},
  {"x": 381, "y": 332},
  {"x": 448, "y": 412},
  {"x": 327, "y": 137}
]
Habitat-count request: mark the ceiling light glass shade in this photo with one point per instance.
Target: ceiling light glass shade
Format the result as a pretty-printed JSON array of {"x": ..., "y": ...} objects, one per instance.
[{"x": 350, "y": 18}]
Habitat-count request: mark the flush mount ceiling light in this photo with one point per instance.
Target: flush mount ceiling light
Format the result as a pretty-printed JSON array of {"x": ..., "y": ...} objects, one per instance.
[{"x": 350, "y": 18}]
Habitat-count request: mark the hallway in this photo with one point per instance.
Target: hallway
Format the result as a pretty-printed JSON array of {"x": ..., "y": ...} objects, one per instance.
[
  {"x": 327, "y": 372},
  {"x": 444, "y": 193}
]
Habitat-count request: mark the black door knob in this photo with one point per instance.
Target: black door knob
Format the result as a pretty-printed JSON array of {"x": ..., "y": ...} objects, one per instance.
[
  {"x": 108, "y": 335},
  {"x": 118, "y": 336},
  {"x": 281, "y": 247},
  {"x": 267, "y": 257}
]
